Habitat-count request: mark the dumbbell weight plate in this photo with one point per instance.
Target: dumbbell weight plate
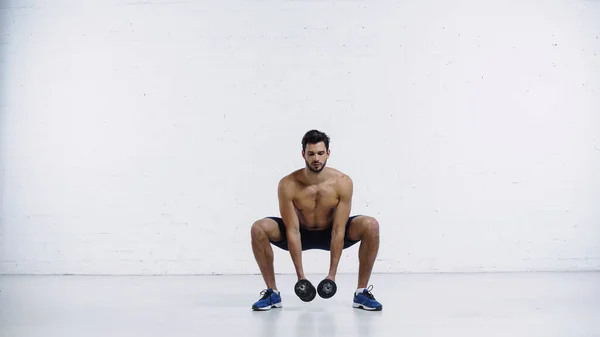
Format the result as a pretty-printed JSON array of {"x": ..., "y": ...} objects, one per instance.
[
  {"x": 305, "y": 290},
  {"x": 327, "y": 288}
]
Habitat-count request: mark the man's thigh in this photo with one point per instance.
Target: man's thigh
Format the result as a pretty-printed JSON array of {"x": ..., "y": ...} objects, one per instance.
[
  {"x": 276, "y": 232},
  {"x": 357, "y": 227},
  {"x": 353, "y": 225}
]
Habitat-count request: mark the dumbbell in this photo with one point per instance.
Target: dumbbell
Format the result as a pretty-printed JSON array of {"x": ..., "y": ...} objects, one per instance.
[
  {"x": 305, "y": 290},
  {"x": 327, "y": 288}
]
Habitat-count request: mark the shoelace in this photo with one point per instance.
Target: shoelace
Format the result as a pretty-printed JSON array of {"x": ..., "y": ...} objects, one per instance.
[
  {"x": 265, "y": 294},
  {"x": 368, "y": 293}
]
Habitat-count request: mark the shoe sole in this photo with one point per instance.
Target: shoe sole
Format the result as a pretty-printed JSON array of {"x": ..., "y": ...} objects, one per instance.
[
  {"x": 278, "y": 305},
  {"x": 360, "y": 306}
]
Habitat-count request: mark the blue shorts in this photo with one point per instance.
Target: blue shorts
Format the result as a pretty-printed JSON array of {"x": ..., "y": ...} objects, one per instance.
[{"x": 320, "y": 239}]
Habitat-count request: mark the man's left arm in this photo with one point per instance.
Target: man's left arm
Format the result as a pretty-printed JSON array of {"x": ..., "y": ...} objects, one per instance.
[{"x": 342, "y": 213}]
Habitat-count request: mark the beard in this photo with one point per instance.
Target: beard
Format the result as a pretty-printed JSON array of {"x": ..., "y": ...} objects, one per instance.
[{"x": 316, "y": 169}]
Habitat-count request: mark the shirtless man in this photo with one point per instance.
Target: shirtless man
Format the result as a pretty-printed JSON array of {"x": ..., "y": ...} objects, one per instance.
[{"x": 314, "y": 203}]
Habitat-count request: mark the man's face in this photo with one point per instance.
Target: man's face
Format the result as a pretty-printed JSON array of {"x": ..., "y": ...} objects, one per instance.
[{"x": 315, "y": 156}]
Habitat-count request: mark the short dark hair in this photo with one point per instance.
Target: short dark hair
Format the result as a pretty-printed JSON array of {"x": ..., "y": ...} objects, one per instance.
[{"x": 314, "y": 137}]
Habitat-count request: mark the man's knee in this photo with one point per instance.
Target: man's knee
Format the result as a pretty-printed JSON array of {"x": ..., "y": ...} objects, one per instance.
[
  {"x": 258, "y": 230},
  {"x": 264, "y": 229},
  {"x": 364, "y": 227},
  {"x": 371, "y": 226}
]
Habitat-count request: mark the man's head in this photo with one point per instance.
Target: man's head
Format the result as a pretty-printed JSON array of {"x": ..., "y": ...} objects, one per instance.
[{"x": 315, "y": 150}]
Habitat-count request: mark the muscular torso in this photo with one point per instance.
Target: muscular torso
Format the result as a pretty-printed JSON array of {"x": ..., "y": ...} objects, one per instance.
[{"x": 315, "y": 204}]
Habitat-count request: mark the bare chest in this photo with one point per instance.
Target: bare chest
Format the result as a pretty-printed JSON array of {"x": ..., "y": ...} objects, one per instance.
[{"x": 316, "y": 197}]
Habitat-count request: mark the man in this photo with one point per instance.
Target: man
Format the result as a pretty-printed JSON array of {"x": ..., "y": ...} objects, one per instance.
[{"x": 315, "y": 203}]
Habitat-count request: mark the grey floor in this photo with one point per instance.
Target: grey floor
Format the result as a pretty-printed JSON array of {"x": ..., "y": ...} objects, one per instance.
[{"x": 506, "y": 304}]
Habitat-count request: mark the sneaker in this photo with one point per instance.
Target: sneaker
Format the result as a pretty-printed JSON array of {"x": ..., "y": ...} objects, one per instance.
[
  {"x": 366, "y": 301},
  {"x": 268, "y": 300}
]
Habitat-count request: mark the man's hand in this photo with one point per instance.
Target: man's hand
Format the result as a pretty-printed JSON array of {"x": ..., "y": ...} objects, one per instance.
[
  {"x": 285, "y": 191},
  {"x": 344, "y": 188}
]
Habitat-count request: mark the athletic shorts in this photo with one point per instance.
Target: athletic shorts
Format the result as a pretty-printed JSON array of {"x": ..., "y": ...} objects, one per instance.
[{"x": 320, "y": 239}]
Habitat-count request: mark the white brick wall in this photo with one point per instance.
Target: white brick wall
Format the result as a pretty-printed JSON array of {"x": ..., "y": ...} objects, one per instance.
[{"x": 146, "y": 137}]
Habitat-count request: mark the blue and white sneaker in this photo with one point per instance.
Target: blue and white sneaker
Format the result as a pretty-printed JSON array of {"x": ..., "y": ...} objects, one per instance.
[
  {"x": 269, "y": 299},
  {"x": 366, "y": 301}
]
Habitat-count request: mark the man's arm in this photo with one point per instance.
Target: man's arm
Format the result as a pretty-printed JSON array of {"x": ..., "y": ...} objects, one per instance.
[
  {"x": 285, "y": 193},
  {"x": 342, "y": 213}
]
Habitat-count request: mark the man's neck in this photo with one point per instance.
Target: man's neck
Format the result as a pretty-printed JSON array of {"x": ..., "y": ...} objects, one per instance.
[{"x": 314, "y": 178}]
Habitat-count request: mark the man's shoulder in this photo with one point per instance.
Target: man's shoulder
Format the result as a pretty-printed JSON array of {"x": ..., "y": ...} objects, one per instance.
[
  {"x": 289, "y": 181},
  {"x": 340, "y": 177},
  {"x": 290, "y": 178},
  {"x": 287, "y": 185},
  {"x": 343, "y": 183}
]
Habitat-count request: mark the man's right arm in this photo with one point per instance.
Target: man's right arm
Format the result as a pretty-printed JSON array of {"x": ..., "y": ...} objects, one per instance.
[{"x": 285, "y": 193}]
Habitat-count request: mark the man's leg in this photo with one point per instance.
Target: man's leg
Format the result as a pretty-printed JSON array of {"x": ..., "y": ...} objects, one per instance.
[
  {"x": 261, "y": 232},
  {"x": 366, "y": 230}
]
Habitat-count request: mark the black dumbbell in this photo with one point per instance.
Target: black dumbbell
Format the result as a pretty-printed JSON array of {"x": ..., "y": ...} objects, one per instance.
[
  {"x": 327, "y": 288},
  {"x": 305, "y": 290}
]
